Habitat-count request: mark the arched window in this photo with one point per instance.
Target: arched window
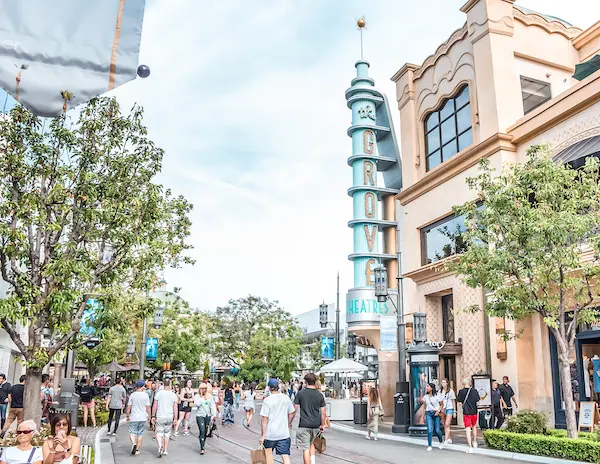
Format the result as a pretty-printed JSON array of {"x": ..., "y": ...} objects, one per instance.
[{"x": 449, "y": 129}]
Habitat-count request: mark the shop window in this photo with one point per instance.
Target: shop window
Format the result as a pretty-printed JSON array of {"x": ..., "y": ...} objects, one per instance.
[
  {"x": 448, "y": 318},
  {"x": 449, "y": 129},
  {"x": 443, "y": 239},
  {"x": 534, "y": 93}
]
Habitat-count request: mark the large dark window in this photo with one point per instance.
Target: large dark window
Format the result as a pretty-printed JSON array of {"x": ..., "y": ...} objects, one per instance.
[
  {"x": 448, "y": 318},
  {"x": 443, "y": 239},
  {"x": 449, "y": 130},
  {"x": 534, "y": 93}
]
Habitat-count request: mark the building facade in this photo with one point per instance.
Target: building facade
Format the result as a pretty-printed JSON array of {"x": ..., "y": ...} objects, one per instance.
[{"x": 500, "y": 83}]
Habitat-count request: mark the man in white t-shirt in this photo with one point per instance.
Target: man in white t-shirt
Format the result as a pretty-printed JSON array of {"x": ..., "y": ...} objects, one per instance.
[
  {"x": 138, "y": 412},
  {"x": 277, "y": 416},
  {"x": 164, "y": 414}
]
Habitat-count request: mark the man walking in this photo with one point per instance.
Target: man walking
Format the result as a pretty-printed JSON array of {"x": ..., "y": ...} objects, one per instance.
[
  {"x": 508, "y": 395},
  {"x": 138, "y": 413},
  {"x": 469, "y": 397},
  {"x": 164, "y": 416},
  {"x": 313, "y": 416},
  {"x": 4, "y": 391},
  {"x": 498, "y": 405},
  {"x": 115, "y": 404},
  {"x": 15, "y": 399},
  {"x": 277, "y": 415}
]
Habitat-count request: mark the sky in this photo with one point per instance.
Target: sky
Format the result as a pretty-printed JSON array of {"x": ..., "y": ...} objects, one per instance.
[{"x": 247, "y": 99}]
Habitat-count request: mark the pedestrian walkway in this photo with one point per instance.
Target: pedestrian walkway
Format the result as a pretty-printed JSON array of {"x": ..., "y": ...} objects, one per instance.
[{"x": 234, "y": 444}]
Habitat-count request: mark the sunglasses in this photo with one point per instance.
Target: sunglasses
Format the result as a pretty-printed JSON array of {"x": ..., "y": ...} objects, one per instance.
[
  {"x": 19, "y": 432},
  {"x": 62, "y": 424}
]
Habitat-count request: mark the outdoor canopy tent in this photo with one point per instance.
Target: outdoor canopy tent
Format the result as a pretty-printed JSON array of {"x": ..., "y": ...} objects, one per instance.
[{"x": 343, "y": 365}]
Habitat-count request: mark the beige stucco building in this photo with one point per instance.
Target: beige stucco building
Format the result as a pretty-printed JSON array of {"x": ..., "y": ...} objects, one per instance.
[{"x": 499, "y": 84}]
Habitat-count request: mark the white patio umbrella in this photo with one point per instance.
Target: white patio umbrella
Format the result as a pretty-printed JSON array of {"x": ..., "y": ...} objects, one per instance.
[{"x": 342, "y": 366}]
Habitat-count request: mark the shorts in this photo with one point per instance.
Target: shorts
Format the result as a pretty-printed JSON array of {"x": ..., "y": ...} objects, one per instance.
[
  {"x": 137, "y": 428},
  {"x": 248, "y": 408},
  {"x": 282, "y": 447},
  {"x": 186, "y": 409},
  {"x": 305, "y": 437},
  {"x": 164, "y": 426},
  {"x": 89, "y": 404},
  {"x": 470, "y": 420},
  {"x": 449, "y": 412},
  {"x": 508, "y": 411}
]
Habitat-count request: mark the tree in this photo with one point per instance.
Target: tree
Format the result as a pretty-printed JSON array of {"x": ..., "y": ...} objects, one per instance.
[
  {"x": 239, "y": 321},
  {"x": 80, "y": 217},
  {"x": 110, "y": 349},
  {"x": 525, "y": 246},
  {"x": 206, "y": 371}
]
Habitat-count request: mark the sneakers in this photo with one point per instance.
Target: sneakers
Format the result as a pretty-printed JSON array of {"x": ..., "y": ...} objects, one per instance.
[
  {"x": 375, "y": 438},
  {"x": 367, "y": 437},
  {"x": 469, "y": 450},
  {"x": 441, "y": 446},
  {"x": 133, "y": 448},
  {"x": 475, "y": 444},
  {"x": 160, "y": 452},
  {"x": 449, "y": 441},
  {"x": 429, "y": 448},
  {"x": 165, "y": 453}
]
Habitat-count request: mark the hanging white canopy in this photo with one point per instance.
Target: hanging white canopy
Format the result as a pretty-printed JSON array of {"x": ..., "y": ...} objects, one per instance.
[{"x": 343, "y": 365}]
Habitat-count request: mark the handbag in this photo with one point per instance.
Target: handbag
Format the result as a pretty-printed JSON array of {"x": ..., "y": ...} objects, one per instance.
[
  {"x": 258, "y": 456},
  {"x": 320, "y": 443}
]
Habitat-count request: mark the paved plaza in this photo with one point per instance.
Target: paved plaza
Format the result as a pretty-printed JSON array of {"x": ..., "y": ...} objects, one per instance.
[{"x": 234, "y": 444}]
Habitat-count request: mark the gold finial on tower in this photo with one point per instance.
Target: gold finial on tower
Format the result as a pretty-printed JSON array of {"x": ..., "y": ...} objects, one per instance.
[{"x": 361, "y": 23}]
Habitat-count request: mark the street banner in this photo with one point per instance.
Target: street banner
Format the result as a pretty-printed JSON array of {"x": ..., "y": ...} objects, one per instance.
[
  {"x": 55, "y": 55},
  {"x": 327, "y": 348},
  {"x": 88, "y": 319},
  {"x": 151, "y": 348},
  {"x": 388, "y": 333}
]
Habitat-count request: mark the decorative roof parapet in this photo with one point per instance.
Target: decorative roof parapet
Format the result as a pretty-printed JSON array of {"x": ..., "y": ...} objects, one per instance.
[
  {"x": 456, "y": 36},
  {"x": 549, "y": 25}
]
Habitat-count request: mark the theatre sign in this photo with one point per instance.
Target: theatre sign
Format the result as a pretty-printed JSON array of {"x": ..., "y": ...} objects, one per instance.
[{"x": 375, "y": 161}]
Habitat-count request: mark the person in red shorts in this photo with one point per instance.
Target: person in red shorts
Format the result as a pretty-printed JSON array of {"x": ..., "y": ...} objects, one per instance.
[{"x": 469, "y": 397}]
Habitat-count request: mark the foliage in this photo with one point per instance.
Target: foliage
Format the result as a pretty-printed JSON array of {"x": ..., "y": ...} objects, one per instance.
[
  {"x": 240, "y": 320},
  {"x": 80, "y": 216},
  {"x": 183, "y": 336},
  {"x": 592, "y": 436},
  {"x": 253, "y": 370},
  {"x": 543, "y": 445},
  {"x": 524, "y": 245},
  {"x": 527, "y": 421},
  {"x": 111, "y": 348},
  {"x": 315, "y": 356}
]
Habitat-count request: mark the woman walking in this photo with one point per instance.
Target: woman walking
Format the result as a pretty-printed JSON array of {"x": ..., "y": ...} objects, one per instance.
[
  {"x": 187, "y": 399},
  {"x": 216, "y": 393},
  {"x": 249, "y": 405},
  {"x": 87, "y": 394},
  {"x": 228, "y": 414},
  {"x": 433, "y": 408},
  {"x": 238, "y": 394},
  {"x": 205, "y": 414},
  {"x": 448, "y": 397},
  {"x": 180, "y": 411},
  {"x": 374, "y": 413}
]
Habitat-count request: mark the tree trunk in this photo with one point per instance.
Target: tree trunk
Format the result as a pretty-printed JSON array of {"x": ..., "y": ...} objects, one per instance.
[
  {"x": 31, "y": 399},
  {"x": 567, "y": 392}
]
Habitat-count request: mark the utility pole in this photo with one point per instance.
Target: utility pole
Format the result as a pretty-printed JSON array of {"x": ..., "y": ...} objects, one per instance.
[
  {"x": 143, "y": 348},
  {"x": 337, "y": 320}
]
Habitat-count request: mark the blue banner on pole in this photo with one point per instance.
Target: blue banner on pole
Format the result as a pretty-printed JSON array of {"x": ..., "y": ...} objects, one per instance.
[
  {"x": 387, "y": 333},
  {"x": 327, "y": 348},
  {"x": 151, "y": 348},
  {"x": 88, "y": 319}
]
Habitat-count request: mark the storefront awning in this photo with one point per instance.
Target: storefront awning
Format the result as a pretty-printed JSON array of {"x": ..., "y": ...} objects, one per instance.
[{"x": 587, "y": 68}]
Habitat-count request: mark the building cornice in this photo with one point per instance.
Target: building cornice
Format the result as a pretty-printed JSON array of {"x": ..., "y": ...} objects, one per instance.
[
  {"x": 430, "y": 272},
  {"x": 557, "y": 110},
  {"x": 555, "y": 26},
  {"x": 403, "y": 70},
  {"x": 471, "y": 3},
  {"x": 587, "y": 36},
  {"x": 458, "y": 163},
  {"x": 550, "y": 64}
]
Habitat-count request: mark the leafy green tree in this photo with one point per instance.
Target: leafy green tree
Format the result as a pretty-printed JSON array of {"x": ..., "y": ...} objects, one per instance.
[
  {"x": 112, "y": 348},
  {"x": 236, "y": 323},
  {"x": 254, "y": 370},
  {"x": 80, "y": 217},
  {"x": 525, "y": 246}
]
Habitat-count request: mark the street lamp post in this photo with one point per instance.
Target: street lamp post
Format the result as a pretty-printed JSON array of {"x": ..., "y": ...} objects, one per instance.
[{"x": 402, "y": 397}]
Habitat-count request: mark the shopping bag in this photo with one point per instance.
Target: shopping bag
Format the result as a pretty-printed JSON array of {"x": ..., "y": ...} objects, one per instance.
[
  {"x": 258, "y": 456},
  {"x": 320, "y": 443}
]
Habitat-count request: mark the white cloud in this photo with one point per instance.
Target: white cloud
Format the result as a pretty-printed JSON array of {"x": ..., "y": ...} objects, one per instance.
[{"x": 247, "y": 98}]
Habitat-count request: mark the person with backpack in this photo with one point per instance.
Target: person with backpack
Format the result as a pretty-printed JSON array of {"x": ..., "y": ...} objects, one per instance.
[
  {"x": 88, "y": 393},
  {"x": 469, "y": 397}
]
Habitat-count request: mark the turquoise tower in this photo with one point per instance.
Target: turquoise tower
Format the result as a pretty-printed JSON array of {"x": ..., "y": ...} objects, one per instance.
[{"x": 376, "y": 179}]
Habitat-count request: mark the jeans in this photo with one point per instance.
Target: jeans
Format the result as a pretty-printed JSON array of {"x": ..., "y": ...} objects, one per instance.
[
  {"x": 433, "y": 421},
  {"x": 3, "y": 408},
  {"x": 203, "y": 425},
  {"x": 116, "y": 413}
]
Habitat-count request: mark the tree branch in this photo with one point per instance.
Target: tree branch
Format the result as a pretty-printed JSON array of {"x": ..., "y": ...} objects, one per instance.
[{"x": 15, "y": 337}]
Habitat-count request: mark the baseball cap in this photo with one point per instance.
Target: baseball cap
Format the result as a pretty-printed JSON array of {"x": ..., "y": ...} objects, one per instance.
[
  {"x": 273, "y": 383},
  {"x": 140, "y": 383}
]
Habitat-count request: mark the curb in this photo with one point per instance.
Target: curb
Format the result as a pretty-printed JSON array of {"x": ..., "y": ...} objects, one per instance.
[
  {"x": 103, "y": 449},
  {"x": 481, "y": 451}
]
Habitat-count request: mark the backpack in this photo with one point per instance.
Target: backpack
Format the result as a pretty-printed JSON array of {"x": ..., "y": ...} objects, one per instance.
[{"x": 86, "y": 394}]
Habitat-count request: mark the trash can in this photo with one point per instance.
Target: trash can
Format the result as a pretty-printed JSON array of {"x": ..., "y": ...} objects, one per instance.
[{"x": 360, "y": 412}]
